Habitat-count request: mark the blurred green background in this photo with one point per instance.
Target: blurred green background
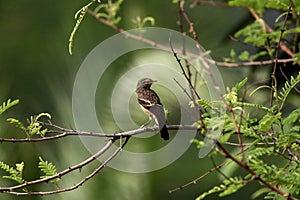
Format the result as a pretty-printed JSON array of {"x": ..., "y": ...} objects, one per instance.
[{"x": 36, "y": 68}]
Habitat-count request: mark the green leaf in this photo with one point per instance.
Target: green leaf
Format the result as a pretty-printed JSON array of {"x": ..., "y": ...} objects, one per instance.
[
  {"x": 257, "y": 5},
  {"x": 204, "y": 103},
  {"x": 288, "y": 86},
  {"x": 8, "y": 104},
  {"x": 232, "y": 53},
  {"x": 244, "y": 56},
  {"x": 79, "y": 16},
  {"x": 48, "y": 169},
  {"x": 238, "y": 86},
  {"x": 278, "y": 4},
  {"x": 292, "y": 118},
  {"x": 15, "y": 174},
  {"x": 17, "y": 123},
  {"x": 265, "y": 124},
  {"x": 229, "y": 186},
  {"x": 199, "y": 143},
  {"x": 34, "y": 127},
  {"x": 110, "y": 11}
]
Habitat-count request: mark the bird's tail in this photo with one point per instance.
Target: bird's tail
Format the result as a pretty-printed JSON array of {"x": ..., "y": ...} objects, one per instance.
[{"x": 164, "y": 133}]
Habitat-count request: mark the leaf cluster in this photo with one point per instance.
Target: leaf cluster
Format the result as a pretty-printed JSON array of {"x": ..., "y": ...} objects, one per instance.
[
  {"x": 259, "y": 34},
  {"x": 272, "y": 138},
  {"x": 33, "y": 127}
]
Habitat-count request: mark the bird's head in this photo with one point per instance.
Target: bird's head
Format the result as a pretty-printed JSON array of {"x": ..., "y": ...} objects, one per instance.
[{"x": 145, "y": 83}]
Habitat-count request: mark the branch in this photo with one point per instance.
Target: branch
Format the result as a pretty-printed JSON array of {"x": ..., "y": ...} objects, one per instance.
[
  {"x": 211, "y": 3},
  {"x": 257, "y": 177},
  {"x": 63, "y": 132},
  {"x": 79, "y": 183},
  {"x": 154, "y": 44},
  {"x": 62, "y": 173}
]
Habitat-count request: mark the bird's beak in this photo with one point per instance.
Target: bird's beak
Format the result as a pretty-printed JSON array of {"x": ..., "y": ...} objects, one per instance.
[{"x": 154, "y": 81}]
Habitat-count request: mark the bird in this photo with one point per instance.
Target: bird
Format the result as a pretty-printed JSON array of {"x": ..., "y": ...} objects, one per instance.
[{"x": 151, "y": 105}]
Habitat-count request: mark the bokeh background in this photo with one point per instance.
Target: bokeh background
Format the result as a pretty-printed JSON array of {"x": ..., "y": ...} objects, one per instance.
[{"x": 36, "y": 68}]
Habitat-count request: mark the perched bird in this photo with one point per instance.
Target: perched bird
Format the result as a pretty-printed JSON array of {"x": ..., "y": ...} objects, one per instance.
[{"x": 151, "y": 105}]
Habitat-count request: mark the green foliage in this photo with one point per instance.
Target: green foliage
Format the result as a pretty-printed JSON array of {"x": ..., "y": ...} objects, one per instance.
[
  {"x": 272, "y": 137},
  {"x": 204, "y": 103},
  {"x": 33, "y": 127},
  {"x": 258, "y": 34},
  {"x": 15, "y": 174},
  {"x": 48, "y": 169},
  {"x": 228, "y": 187},
  {"x": 258, "y": 5},
  {"x": 288, "y": 86},
  {"x": 199, "y": 143},
  {"x": 266, "y": 123},
  {"x": 292, "y": 118},
  {"x": 8, "y": 104},
  {"x": 232, "y": 94},
  {"x": 79, "y": 16},
  {"x": 110, "y": 11},
  {"x": 140, "y": 23}
]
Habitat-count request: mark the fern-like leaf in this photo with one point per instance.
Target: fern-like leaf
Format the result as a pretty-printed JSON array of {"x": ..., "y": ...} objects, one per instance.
[
  {"x": 8, "y": 104},
  {"x": 228, "y": 187},
  {"x": 48, "y": 169},
  {"x": 79, "y": 16},
  {"x": 288, "y": 86},
  {"x": 15, "y": 174}
]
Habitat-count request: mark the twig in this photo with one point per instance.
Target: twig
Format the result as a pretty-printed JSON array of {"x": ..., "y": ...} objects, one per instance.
[
  {"x": 62, "y": 173},
  {"x": 269, "y": 29},
  {"x": 197, "y": 179},
  {"x": 182, "y": 69},
  {"x": 184, "y": 90},
  {"x": 256, "y": 176},
  {"x": 211, "y": 3},
  {"x": 277, "y": 55},
  {"x": 79, "y": 183},
  {"x": 167, "y": 48},
  {"x": 69, "y": 132}
]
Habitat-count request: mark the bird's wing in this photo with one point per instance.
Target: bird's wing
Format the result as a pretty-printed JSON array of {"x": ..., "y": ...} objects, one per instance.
[{"x": 159, "y": 114}]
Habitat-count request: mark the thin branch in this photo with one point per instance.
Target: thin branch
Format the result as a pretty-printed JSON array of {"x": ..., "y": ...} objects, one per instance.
[
  {"x": 183, "y": 89},
  {"x": 277, "y": 55},
  {"x": 211, "y": 3},
  {"x": 256, "y": 176},
  {"x": 269, "y": 29},
  {"x": 167, "y": 48},
  {"x": 182, "y": 69},
  {"x": 198, "y": 179},
  {"x": 62, "y": 173},
  {"x": 70, "y": 132},
  {"x": 79, "y": 183}
]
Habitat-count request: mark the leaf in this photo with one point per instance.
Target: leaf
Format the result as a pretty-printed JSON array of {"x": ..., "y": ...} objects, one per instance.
[
  {"x": 238, "y": 86},
  {"x": 17, "y": 123},
  {"x": 8, "y": 104},
  {"x": 48, "y": 169},
  {"x": 288, "y": 86},
  {"x": 292, "y": 118},
  {"x": 110, "y": 11},
  {"x": 199, "y": 143},
  {"x": 79, "y": 16},
  {"x": 265, "y": 124},
  {"x": 14, "y": 174},
  {"x": 204, "y": 103},
  {"x": 229, "y": 186},
  {"x": 33, "y": 127},
  {"x": 244, "y": 56},
  {"x": 257, "y": 5}
]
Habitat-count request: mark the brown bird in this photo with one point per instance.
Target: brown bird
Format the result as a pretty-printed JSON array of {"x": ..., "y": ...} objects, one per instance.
[{"x": 151, "y": 105}]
